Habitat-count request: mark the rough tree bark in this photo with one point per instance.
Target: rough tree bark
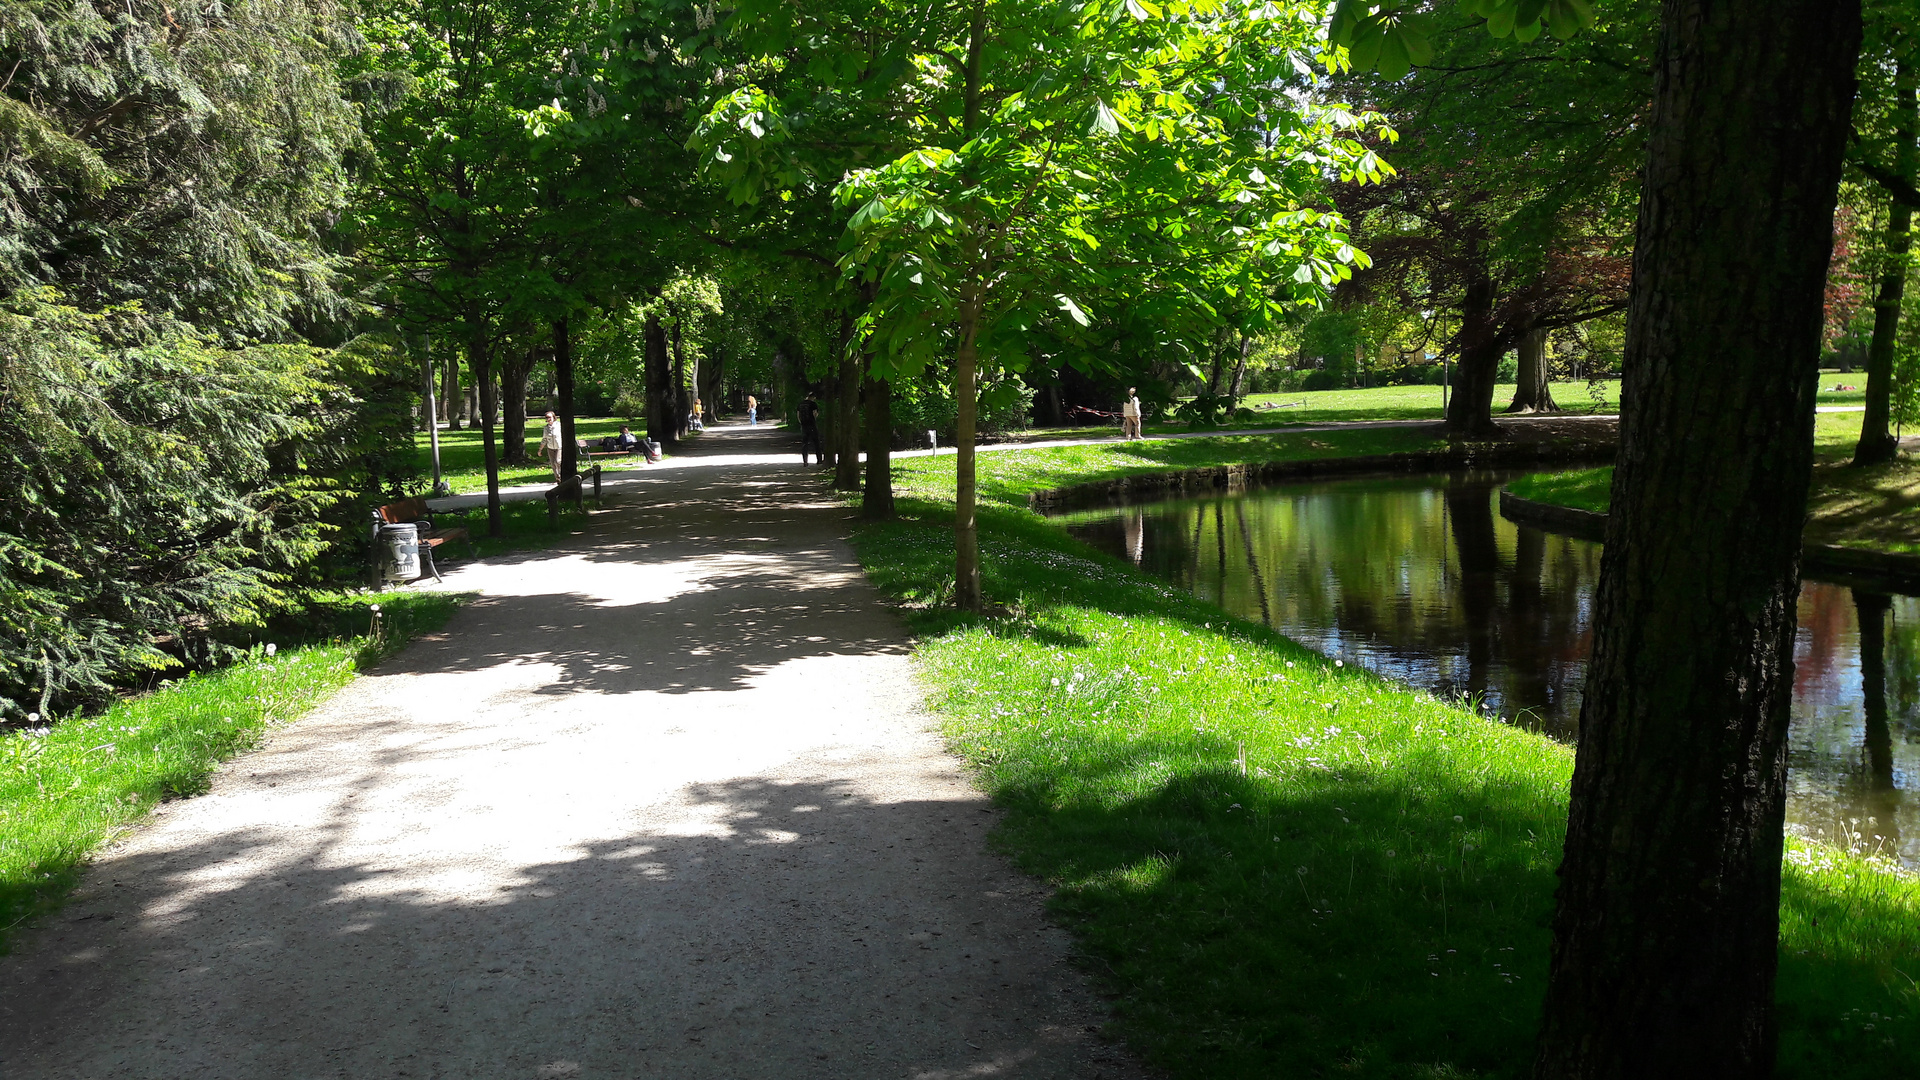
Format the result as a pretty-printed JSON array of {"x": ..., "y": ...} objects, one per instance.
[
  {"x": 479, "y": 365},
  {"x": 1877, "y": 443},
  {"x": 1533, "y": 390},
  {"x": 846, "y": 413},
  {"x": 682, "y": 401},
  {"x": 513, "y": 414},
  {"x": 1667, "y": 924},
  {"x": 653, "y": 341},
  {"x": 876, "y": 503},
  {"x": 1238, "y": 389},
  {"x": 563, "y": 387},
  {"x": 450, "y": 393},
  {"x": 1470, "y": 409}
]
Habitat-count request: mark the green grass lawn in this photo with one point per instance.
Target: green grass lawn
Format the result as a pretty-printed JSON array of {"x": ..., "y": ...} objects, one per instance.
[
  {"x": 66, "y": 792},
  {"x": 1412, "y": 403},
  {"x": 1278, "y": 866},
  {"x": 1876, "y": 507},
  {"x": 1012, "y": 475},
  {"x": 463, "y": 459}
]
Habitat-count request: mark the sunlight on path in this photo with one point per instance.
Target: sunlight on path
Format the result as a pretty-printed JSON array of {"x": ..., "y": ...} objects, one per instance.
[{"x": 661, "y": 803}]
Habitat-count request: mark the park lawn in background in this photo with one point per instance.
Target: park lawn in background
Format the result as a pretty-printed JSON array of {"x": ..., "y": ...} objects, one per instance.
[
  {"x": 66, "y": 792},
  {"x": 463, "y": 458},
  {"x": 1877, "y": 507},
  {"x": 1370, "y": 896},
  {"x": 1403, "y": 403},
  {"x": 1011, "y": 475}
]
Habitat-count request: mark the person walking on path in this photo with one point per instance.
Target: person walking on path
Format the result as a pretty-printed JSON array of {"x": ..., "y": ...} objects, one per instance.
[
  {"x": 753, "y": 412},
  {"x": 1130, "y": 416},
  {"x": 699, "y": 415},
  {"x": 550, "y": 445},
  {"x": 810, "y": 430}
]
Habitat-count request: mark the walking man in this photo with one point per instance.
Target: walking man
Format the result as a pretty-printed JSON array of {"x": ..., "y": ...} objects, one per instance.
[
  {"x": 1130, "y": 416},
  {"x": 810, "y": 430},
  {"x": 550, "y": 445}
]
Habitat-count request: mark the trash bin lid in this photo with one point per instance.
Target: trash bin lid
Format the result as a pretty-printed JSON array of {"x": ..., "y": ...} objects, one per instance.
[{"x": 405, "y": 530}]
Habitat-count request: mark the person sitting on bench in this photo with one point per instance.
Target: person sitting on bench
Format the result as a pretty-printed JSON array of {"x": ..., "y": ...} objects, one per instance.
[{"x": 626, "y": 440}]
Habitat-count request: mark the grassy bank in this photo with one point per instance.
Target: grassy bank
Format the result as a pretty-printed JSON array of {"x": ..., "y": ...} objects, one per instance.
[
  {"x": 463, "y": 459},
  {"x": 1278, "y": 866},
  {"x": 1876, "y": 507},
  {"x": 67, "y": 790}
]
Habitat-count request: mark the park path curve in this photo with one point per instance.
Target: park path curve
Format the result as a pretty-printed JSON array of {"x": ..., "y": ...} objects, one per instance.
[{"x": 662, "y": 802}]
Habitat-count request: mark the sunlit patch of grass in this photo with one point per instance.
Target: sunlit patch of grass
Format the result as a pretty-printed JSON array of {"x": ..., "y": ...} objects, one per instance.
[
  {"x": 67, "y": 790},
  {"x": 1281, "y": 866}
]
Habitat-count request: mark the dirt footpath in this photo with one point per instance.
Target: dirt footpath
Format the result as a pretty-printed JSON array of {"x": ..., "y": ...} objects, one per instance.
[{"x": 662, "y": 803}]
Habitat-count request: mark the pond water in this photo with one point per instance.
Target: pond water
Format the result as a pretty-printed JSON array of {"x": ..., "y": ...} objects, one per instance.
[{"x": 1420, "y": 579}]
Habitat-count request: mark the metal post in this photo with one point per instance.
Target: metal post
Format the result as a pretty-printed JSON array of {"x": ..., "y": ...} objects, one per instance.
[{"x": 433, "y": 429}]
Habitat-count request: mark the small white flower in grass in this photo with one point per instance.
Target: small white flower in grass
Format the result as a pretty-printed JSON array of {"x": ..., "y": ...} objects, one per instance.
[
  {"x": 1339, "y": 663},
  {"x": 1391, "y": 853},
  {"x": 1056, "y": 680},
  {"x": 1289, "y": 663},
  {"x": 33, "y": 718},
  {"x": 272, "y": 648},
  {"x": 1457, "y": 817}
]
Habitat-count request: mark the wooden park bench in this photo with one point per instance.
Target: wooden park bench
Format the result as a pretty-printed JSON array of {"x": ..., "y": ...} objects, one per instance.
[{"x": 414, "y": 512}]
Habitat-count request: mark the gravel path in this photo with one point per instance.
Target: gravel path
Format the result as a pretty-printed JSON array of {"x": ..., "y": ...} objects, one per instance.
[{"x": 662, "y": 803}]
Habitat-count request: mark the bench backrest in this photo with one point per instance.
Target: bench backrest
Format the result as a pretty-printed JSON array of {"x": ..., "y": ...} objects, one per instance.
[{"x": 404, "y": 511}]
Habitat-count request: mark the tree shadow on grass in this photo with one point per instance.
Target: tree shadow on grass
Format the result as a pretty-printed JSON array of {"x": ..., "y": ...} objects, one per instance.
[{"x": 1336, "y": 920}]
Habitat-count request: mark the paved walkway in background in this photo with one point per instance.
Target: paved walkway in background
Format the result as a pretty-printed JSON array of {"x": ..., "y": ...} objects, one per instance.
[
  {"x": 699, "y": 454},
  {"x": 660, "y": 803}
]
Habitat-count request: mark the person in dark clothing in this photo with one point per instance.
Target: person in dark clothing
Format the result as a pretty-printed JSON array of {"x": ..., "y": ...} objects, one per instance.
[{"x": 810, "y": 431}]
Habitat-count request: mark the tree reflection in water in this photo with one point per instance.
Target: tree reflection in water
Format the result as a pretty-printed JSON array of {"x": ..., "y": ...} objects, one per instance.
[{"x": 1420, "y": 579}]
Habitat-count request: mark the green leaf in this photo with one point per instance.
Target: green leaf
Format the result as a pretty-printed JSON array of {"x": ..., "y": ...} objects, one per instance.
[
  {"x": 1394, "y": 61},
  {"x": 1527, "y": 32},
  {"x": 1367, "y": 40},
  {"x": 1104, "y": 122},
  {"x": 1072, "y": 309},
  {"x": 1500, "y": 23}
]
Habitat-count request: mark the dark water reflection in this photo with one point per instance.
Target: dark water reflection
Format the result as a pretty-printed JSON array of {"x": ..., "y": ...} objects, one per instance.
[{"x": 1421, "y": 579}]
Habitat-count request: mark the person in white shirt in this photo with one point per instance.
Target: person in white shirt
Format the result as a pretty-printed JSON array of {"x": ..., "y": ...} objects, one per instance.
[
  {"x": 550, "y": 445},
  {"x": 1130, "y": 416}
]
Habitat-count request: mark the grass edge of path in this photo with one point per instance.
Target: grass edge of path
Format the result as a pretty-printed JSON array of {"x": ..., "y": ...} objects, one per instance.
[
  {"x": 69, "y": 790},
  {"x": 1108, "y": 713}
]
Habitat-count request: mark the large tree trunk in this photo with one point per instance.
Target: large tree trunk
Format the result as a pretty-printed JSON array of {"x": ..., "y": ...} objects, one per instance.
[
  {"x": 653, "y": 340},
  {"x": 1470, "y": 411},
  {"x": 846, "y": 413},
  {"x": 450, "y": 392},
  {"x": 1668, "y": 911},
  {"x": 1877, "y": 443},
  {"x": 876, "y": 503},
  {"x": 682, "y": 401},
  {"x": 1534, "y": 391},
  {"x": 479, "y": 365},
  {"x": 513, "y": 415},
  {"x": 563, "y": 384}
]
